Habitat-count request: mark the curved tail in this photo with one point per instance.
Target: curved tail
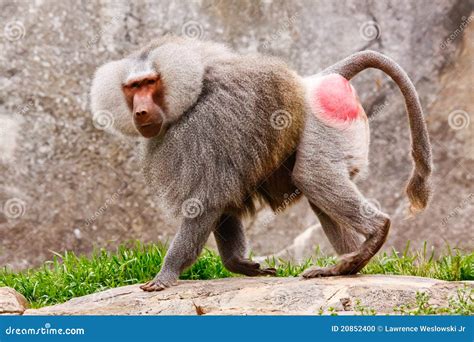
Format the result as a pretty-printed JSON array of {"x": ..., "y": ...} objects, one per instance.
[{"x": 418, "y": 188}]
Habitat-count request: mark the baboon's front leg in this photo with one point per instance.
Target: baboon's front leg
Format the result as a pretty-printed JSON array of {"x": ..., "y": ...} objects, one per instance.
[{"x": 183, "y": 251}]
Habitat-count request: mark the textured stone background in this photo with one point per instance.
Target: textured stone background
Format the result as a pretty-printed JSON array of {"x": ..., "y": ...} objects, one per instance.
[{"x": 57, "y": 170}]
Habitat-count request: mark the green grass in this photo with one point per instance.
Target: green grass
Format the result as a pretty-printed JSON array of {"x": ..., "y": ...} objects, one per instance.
[
  {"x": 452, "y": 265},
  {"x": 462, "y": 303},
  {"x": 69, "y": 275}
]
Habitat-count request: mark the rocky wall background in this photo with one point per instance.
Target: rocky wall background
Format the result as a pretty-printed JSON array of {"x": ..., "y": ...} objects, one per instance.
[{"x": 66, "y": 185}]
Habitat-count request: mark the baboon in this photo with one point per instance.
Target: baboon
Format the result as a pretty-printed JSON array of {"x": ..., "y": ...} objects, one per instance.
[{"x": 221, "y": 130}]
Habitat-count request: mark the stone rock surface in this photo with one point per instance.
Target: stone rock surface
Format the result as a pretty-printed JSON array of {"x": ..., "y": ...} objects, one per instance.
[
  {"x": 11, "y": 302},
  {"x": 260, "y": 296},
  {"x": 65, "y": 185}
]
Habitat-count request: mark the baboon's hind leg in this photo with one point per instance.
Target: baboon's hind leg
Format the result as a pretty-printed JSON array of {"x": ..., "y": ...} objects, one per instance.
[
  {"x": 232, "y": 247},
  {"x": 342, "y": 240},
  {"x": 332, "y": 191}
]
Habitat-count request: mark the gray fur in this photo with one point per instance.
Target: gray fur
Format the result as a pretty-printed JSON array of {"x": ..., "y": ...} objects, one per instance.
[
  {"x": 181, "y": 64},
  {"x": 343, "y": 240},
  {"x": 324, "y": 179},
  {"x": 221, "y": 151},
  {"x": 418, "y": 188},
  {"x": 223, "y": 140}
]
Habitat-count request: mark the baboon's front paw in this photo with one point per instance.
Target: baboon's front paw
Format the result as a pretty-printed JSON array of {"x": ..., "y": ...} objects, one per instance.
[
  {"x": 316, "y": 272},
  {"x": 249, "y": 268},
  {"x": 155, "y": 285},
  {"x": 267, "y": 271},
  {"x": 253, "y": 269}
]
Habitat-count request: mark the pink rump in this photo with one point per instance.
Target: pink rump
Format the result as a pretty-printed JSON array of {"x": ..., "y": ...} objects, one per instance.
[{"x": 335, "y": 97}]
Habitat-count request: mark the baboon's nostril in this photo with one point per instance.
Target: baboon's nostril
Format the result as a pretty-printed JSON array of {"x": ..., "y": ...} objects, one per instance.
[{"x": 140, "y": 113}]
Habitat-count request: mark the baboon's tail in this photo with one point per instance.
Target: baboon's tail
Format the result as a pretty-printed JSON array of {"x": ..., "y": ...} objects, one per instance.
[{"x": 418, "y": 188}]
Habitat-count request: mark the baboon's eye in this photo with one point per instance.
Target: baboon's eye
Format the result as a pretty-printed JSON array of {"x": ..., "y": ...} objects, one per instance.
[
  {"x": 151, "y": 81},
  {"x": 135, "y": 85}
]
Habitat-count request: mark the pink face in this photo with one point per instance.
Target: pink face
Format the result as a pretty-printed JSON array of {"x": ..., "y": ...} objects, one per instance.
[
  {"x": 336, "y": 99},
  {"x": 145, "y": 98}
]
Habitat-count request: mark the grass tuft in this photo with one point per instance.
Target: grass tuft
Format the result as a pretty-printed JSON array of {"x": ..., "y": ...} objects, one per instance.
[
  {"x": 452, "y": 265},
  {"x": 460, "y": 304},
  {"x": 69, "y": 275}
]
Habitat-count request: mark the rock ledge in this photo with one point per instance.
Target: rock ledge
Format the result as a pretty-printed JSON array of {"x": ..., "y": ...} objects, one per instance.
[
  {"x": 11, "y": 302},
  {"x": 260, "y": 296}
]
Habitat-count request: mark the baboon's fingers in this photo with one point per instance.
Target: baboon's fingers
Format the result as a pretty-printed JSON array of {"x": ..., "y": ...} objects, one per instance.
[
  {"x": 269, "y": 271},
  {"x": 248, "y": 267},
  {"x": 153, "y": 285},
  {"x": 316, "y": 272}
]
